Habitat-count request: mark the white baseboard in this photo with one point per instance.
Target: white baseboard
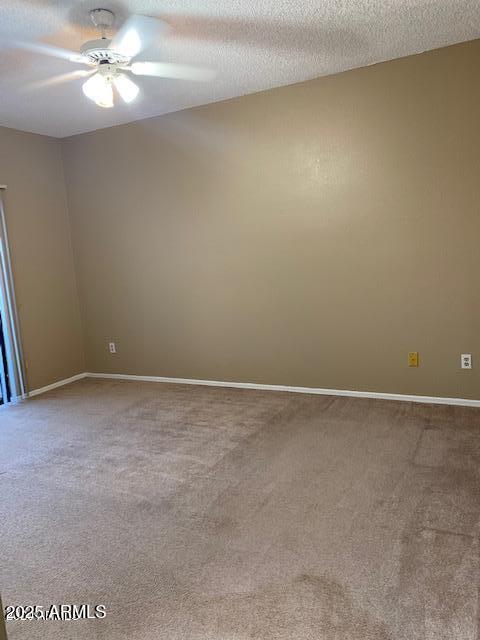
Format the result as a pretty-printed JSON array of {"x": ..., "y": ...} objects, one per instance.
[
  {"x": 54, "y": 385},
  {"x": 463, "y": 402}
]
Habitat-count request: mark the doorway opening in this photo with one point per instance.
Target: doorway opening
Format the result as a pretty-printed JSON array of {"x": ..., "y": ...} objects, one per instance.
[
  {"x": 12, "y": 374},
  {"x": 5, "y": 390}
]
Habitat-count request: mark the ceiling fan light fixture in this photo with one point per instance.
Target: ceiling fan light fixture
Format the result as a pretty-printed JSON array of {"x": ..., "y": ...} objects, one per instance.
[
  {"x": 127, "y": 89},
  {"x": 99, "y": 89}
]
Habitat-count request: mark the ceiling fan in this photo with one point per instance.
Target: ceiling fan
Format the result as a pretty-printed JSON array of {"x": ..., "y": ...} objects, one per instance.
[{"x": 112, "y": 60}]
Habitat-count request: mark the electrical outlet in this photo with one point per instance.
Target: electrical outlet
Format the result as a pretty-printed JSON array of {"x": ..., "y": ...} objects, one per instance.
[
  {"x": 466, "y": 360},
  {"x": 413, "y": 359},
  {"x": 112, "y": 347}
]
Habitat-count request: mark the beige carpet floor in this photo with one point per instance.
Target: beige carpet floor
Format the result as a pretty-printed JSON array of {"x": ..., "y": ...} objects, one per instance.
[{"x": 217, "y": 514}]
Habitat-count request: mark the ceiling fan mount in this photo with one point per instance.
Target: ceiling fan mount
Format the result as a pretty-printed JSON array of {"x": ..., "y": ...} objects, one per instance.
[{"x": 102, "y": 18}]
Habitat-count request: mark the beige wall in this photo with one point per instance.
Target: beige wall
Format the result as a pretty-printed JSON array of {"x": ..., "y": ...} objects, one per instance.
[
  {"x": 35, "y": 207},
  {"x": 309, "y": 235}
]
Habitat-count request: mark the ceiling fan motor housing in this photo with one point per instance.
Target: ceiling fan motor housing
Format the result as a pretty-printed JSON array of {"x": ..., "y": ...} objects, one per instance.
[{"x": 97, "y": 51}]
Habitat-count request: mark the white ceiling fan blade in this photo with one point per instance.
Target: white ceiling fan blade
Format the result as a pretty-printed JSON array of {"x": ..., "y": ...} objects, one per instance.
[
  {"x": 58, "y": 79},
  {"x": 137, "y": 34},
  {"x": 127, "y": 89},
  {"x": 172, "y": 70},
  {"x": 49, "y": 50}
]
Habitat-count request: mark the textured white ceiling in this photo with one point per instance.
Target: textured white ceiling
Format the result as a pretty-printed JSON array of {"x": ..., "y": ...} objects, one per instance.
[{"x": 252, "y": 44}]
